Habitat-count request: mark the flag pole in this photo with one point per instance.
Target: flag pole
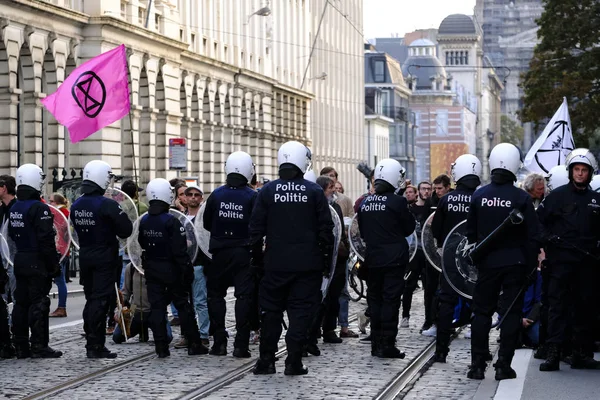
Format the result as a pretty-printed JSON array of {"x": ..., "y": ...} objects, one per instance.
[{"x": 135, "y": 177}]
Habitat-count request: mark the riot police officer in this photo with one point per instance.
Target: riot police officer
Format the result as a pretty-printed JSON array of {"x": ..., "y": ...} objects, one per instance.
[
  {"x": 98, "y": 221},
  {"x": 293, "y": 214},
  {"x": 570, "y": 216},
  {"x": 451, "y": 210},
  {"x": 227, "y": 217},
  {"x": 506, "y": 266},
  {"x": 36, "y": 262},
  {"x": 168, "y": 269},
  {"x": 385, "y": 221}
]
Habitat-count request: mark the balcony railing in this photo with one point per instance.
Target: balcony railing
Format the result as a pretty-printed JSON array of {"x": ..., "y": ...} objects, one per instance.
[{"x": 398, "y": 113}]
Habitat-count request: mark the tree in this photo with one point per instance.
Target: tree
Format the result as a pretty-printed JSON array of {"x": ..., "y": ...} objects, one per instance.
[
  {"x": 566, "y": 63},
  {"x": 511, "y": 131}
]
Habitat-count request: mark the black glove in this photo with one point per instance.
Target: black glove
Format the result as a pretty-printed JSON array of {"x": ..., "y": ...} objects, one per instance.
[
  {"x": 327, "y": 253},
  {"x": 257, "y": 263}
]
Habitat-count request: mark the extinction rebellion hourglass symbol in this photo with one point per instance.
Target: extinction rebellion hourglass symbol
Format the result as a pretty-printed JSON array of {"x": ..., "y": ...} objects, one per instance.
[{"x": 89, "y": 93}]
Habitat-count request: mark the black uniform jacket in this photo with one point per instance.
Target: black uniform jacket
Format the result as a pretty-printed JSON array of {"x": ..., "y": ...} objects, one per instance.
[
  {"x": 574, "y": 217},
  {"x": 385, "y": 222}
]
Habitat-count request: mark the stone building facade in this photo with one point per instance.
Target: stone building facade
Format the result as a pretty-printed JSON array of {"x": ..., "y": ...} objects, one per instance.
[{"x": 207, "y": 71}]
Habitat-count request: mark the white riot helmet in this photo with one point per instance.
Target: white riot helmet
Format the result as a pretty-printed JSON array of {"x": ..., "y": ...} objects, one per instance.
[
  {"x": 595, "y": 183},
  {"x": 310, "y": 176},
  {"x": 582, "y": 156},
  {"x": 467, "y": 164},
  {"x": 99, "y": 172},
  {"x": 294, "y": 153},
  {"x": 240, "y": 162},
  {"x": 557, "y": 176},
  {"x": 30, "y": 175},
  {"x": 505, "y": 156},
  {"x": 160, "y": 189},
  {"x": 391, "y": 171}
]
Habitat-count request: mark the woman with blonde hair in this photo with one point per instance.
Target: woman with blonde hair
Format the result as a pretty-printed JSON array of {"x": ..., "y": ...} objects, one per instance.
[{"x": 59, "y": 201}]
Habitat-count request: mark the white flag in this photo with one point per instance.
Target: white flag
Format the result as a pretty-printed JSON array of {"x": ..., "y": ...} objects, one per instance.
[{"x": 554, "y": 144}]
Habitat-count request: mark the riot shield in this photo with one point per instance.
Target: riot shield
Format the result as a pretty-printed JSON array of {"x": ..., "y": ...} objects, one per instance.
[
  {"x": 359, "y": 247},
  {"x": 7, "y": 246},
  {"x": 460, "y": 273},
  {"x": 337, "y": 234},
  {"x": 430, "y": 248},
  {"x": 202, "y": 234},
  {"x": 127, "y": 205},
  {"x": 135, "y": 250}
]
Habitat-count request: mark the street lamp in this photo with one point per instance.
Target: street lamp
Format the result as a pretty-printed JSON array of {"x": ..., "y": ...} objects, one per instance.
[{"x": 262, "y": 12}]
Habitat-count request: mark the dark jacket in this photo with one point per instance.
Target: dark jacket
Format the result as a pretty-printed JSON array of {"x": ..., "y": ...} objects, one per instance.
[
  {"x": 98, "y": 221},
  {"x": 385, "y": 222},
  {"x": 294, "y": 216},
  {"x": 574, "y": 216},
  {"x": 452, "y": 209}
]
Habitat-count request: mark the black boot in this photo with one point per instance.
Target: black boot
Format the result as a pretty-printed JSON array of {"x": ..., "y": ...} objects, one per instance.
[
  {"x": 219, "y": 348},
  {"x": 552, "y": 362},
  {"x": 162, "y": 350},
  {"x": 503, "y": 369},
  {"x": 331, "y": 337},
  {"x": 389, "y": 349},
  {"x": 312, "y": 349},
  {"x": 239, "y": 352},
  {"x": 22, "y": 351},
  {"x": 440, "y": 357},
  {"x": 376, "y": 346},
  {"x": 265, "y": 365},
  {"x": 7, "y": 351},
  {"x": 541, "y": 353},
  {"x": 581, "y": 361},
  {"x": 44, "y": 352},
  {"x": 196, "y": 349},
  {"x": 293, "y": 364},
  {"x": 477, "y": 368},
  {"x": 100, "y": 352}
]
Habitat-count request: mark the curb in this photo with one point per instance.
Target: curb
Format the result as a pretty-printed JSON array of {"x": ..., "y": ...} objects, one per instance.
[{"x": 69, "y": 293}]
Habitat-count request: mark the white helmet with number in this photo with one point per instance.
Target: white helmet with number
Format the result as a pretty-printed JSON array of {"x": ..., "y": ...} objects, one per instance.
[
  {"x": 310, "y": 176},
  {"x": 294, "y": 153},
  {"x": 99, "y": 172},
  {"x": 30, "y": 175},
  {"x": 159, "y": 189},
  {"x": 582, "y": 156},
  {"x": 467, "y": 164},
  {"x": 595, "y": 184},
  {"x": 557, "y": 176},
  {"x": 240, "y": 162},
  {"x": 505, "y": 156},
  {"x": 391, "y": 171}
]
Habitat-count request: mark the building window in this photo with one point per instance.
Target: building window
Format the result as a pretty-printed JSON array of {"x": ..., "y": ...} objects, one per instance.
[
  {"x": 243, "y": 60},
  {"x": 204, "y": 44},
  {"x": 466, "y": 58},
  {"x": 260, "y": 70},
  {"x": 216, "y": 50},
  {"x": 181, "y": 34},
  {"x": 157, "y": 22},
  {"x": 141, "y": 16},
  {"x": 124, "y": 9},
  {"x": 418, "y": 122},
  {"x": 447, "y": 58},
  {"x": 225, "y": 53},
  {"x": 379, "y": 71},
  {"x": 441, "y": 121},
  {"x": 193, "y": 41}
]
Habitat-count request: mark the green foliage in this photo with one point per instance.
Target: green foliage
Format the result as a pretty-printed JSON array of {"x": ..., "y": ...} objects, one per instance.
[
  {"x": 566, "y": 63},
  {"x": 511, "y": 131}
]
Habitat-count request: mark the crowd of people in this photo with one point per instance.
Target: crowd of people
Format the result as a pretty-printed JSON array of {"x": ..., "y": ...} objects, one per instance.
[{"x": 273, "y": 242}]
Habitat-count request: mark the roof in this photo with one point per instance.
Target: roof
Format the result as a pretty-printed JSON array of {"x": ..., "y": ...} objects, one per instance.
[
  {"x": 422, "y": 43},
  {"x": 457, "y": 24},
  {"x": 428, "y": 66},
  {"x": 393, "y": 72}
]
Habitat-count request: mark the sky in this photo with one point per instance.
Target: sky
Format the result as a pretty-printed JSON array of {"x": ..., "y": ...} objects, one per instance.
[{"x": 384, "y": 17}]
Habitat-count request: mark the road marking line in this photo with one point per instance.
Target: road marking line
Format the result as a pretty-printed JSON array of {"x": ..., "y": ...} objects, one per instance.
[
  {"x": 512, "y": 389},
  {"x": 66, "y": 324}
]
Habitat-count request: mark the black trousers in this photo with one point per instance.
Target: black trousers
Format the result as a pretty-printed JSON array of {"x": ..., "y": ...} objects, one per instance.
[
  {"x": 297, "y": 293},
  {"x": 31, "y": 309},
  {"x": 329, "y": 309},
  {"x": 432, "y": 281},
  {"x": 112, "y": 304},
  {"x": 448, "y": 299},
  {"x": 160, "y": 295},
  {"x": 230, "y": 267},
  {"x": 490, "y": 283},
  {"x": 5, "y": 338},
  {"x": 385, "y": 287},
  {"x": 98, "y": 288},
  {"x": 543, "y": 328},
  {"x": 414, "y": 270},
  {"x": 572, "y": 292}
]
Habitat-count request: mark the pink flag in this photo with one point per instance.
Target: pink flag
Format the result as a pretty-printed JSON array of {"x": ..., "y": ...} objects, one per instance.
[{"x": 95, "y": 95}]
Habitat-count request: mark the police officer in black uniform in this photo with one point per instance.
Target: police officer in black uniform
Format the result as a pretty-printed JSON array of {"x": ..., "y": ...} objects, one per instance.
[
  {"x": 570, "y": 216},
  {"x": 227, "y": 217},
  {"x": 7, "y": 200},
  {"x": 452, "y": 209},
  {"x": 385, "y": 222},
  {"x": 168, "y": 269},
  {"x": 506, "y": 266},
  {"x": 293, "y": 214},
  {"x": 36, "y": 262},
  {"x": 98, "y": 221}
]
